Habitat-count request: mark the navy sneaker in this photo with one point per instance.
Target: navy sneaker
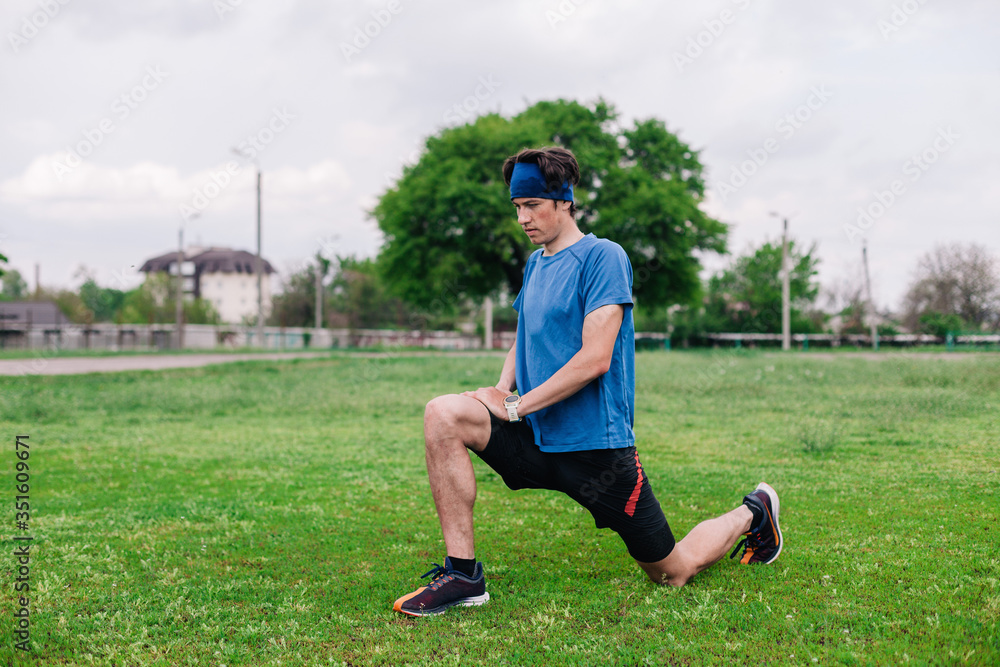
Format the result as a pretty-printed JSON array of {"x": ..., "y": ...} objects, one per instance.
[
  {"x": 448, "y": 588},
  {"x": 763, "y": 543}
]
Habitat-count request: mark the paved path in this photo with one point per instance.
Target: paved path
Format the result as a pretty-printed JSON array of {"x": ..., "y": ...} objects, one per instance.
[{"x": 151, "y": 362}]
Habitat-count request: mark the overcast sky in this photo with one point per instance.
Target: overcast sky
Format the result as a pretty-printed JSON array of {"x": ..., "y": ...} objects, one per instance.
[{"x": 116, "y": 114}]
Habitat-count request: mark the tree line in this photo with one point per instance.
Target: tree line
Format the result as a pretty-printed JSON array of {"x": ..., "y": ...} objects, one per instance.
[{"x": 451, "y": 240}]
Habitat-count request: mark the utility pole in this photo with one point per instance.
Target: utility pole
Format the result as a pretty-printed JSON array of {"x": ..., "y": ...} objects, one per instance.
[
  {"x": 488, "y": 324},
  {"x": 670, "y": 325},
  {"x": 870, "y": 307},
  {"x": 319, "y": 294},
  {"x": 179, "y": 314},
  {"x": 258, "y": 261},
  {"x": 786, "y": 291},
  {"x": 259, "y": 268}
]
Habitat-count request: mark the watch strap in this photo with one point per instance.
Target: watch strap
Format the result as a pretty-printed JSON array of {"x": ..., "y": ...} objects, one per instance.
[{"x": 512, "y": 410}]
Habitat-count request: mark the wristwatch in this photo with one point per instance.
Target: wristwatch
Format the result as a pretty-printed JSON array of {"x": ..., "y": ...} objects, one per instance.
[{"x": 511, "y": 402}]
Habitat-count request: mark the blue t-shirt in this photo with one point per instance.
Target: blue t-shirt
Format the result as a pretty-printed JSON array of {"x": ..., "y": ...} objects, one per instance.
[{"x": 558, "y": 292}]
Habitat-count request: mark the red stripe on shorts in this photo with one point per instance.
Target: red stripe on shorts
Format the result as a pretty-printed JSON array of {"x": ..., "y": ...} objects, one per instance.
[{"x": 634, "y": 498}]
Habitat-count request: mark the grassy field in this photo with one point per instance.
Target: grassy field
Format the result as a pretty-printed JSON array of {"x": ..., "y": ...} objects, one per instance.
[{"x": 268, "y": 513}]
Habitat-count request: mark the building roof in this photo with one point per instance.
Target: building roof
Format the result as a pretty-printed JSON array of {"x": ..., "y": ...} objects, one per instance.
[
  {"x": 38, "y": 313},
  {"x": 213, "y": 260}
]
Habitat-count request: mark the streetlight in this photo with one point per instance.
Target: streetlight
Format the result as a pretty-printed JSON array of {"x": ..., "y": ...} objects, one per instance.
[
  {"x": 179, "y": 306},
  {"x": 321, "y": 265},
  {"x": 786, "y": 308},
  {"x": 868, "y": 289},
  {"x": 258, "y": 262},
  {"x": 179, "y": 312}
]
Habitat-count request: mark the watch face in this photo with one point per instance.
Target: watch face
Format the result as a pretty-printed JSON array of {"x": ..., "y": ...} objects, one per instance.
[{"x": 511, "y": 400}]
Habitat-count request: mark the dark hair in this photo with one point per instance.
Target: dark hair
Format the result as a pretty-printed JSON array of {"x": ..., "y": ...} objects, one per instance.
[{"x": 558, "y": 165}]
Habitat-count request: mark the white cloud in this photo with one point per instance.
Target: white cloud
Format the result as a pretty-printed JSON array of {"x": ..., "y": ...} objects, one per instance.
[
  {"x": 41, "y": 183},
  {"x": 318, "y": 181},
  {"x": 356, "y": 122},
  {"x": 93, "y": 192}
]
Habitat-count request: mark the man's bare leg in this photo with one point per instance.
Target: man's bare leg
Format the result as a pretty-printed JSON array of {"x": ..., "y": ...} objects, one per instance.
[
  {"x": 453, "y": 423},
  {"x": 705, "y": 545}
]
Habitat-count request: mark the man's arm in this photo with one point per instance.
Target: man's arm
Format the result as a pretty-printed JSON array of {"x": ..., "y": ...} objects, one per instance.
[{"x": 600, "y": 331}]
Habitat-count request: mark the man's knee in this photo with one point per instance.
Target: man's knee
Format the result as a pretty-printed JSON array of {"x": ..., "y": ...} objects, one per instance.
[
  {"x": 442, "y": 411},
  {"x": 671, "y": 571},
  {"x": 453, "y": 416}
]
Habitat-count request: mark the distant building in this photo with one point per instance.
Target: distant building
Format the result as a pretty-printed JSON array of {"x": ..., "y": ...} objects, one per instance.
[
  {"x": 18, "y": 318},
  {"x": 29, "y": 314},
  {"x": 222, "y": 276}
]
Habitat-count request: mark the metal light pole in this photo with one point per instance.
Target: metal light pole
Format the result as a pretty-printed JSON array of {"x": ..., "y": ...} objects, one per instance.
[
  {"x": 868, "y": 289},
  {"x": 488, "y": 324},
  {"x": 319, "y": 296},
  {"x": 322, "y": 265},
  {"x": 786, "y": 291},
  {"x": 259, "y": 268},
  {"x": 258, "y": 262},
  {"x": 179, "y": 314}
]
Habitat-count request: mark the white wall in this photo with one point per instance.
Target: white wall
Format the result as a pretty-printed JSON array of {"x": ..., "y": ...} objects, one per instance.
[{"x": 234, "y": 295}]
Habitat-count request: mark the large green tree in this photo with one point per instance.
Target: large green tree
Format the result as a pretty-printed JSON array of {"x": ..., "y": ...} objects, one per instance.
[
  {"x": 746, "y": 297},
  {"x": 451, "y": 232}
]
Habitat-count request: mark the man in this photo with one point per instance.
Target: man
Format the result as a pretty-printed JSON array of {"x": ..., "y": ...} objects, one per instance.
[{"x": 569, "y": 427}]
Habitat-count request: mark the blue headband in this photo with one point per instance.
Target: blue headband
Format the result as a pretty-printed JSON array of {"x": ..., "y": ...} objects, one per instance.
[{"x": 527, "y": 181}]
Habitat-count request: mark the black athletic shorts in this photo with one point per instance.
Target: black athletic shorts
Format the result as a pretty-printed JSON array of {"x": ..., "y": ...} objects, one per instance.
[{"x": 610, "y": 483}]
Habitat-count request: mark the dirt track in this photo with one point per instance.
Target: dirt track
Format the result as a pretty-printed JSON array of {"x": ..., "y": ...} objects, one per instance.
[{"x": 152, "y": 362}]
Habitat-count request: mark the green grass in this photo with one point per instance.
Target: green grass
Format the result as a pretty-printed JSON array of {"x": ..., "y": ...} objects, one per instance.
[{"x": 268, "y": 513}]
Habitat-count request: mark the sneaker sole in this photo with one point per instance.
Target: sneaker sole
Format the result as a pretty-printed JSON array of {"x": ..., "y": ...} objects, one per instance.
[
  {"x": 775, "y": 509},
  {"x": 474, "y": 601}
]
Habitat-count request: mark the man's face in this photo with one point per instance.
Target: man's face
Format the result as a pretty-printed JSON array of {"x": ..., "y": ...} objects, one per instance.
[{"x": 543, "y": 220}]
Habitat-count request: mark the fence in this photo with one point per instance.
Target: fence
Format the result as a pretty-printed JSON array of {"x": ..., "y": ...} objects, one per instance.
[
  {"x": 124, "y": 337},
  {"x": 858, "y": 340}
]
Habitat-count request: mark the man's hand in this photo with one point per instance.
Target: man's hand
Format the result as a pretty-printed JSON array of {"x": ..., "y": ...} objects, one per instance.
[{"x": 492, "y": 398}]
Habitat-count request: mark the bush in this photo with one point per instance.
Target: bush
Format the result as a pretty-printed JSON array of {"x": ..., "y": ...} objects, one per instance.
[
  {"x": 939, "y": 324},
  {"x": 818, "y": 437}
]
